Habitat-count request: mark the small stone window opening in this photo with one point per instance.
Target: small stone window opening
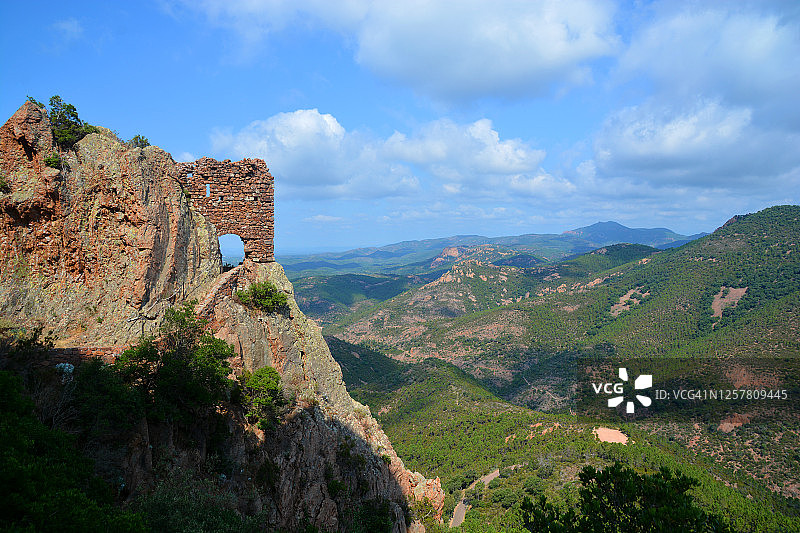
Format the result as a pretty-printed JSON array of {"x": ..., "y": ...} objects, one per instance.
[{"x": 208, "y": 190}]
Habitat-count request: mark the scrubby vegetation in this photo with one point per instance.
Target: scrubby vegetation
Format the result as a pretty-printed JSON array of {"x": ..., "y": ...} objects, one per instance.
[
  {"x": 53, "y": 160},
  {"x": 105, "y": 402},
  {"x": 37, "y": 103},
  {"x": 263, "y": 295},
  {"x": 659, "y": 304},
  {"x": 138, "y": 141},
  {"x": 185, "y": 500},
  {"x": 368, "y": 373},
  {"x": 263, "y": 396},
  {"x": 176, "y": 380},
  {"x": 328, "y": 298},
  {"x": 443, "y": 422},
  {"x": 605, "y": 258},
  {"x": 618, "y": 498},
  {"x": 68, "y": 128},
  {"x": 46, "y": 483},
  {"x": 181, "y": 375}
]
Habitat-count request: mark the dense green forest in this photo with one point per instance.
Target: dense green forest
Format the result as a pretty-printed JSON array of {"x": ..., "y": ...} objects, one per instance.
[
  {"x": 501, "y": 323},
  {"x": 443, "y": 422},
  {"x": 329, "y": 298}
]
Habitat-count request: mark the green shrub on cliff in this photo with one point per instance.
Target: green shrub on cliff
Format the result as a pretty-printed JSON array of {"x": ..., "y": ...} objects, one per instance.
[
  {"x": 19, "y": 345},
  {"x": 37, "y": 103},
  {"x": 67, "y": 127},
  {"x": 184, "y": 373},
  {"x": 185, "y": 500},
  {"x": 138, "y": 141},
  {"x": 263, "y": 396},
  {"x": 53, "y": 160},
  {"x": 373, "y": 516},
  {"x": 47, "y": 485},
  {"x": 105, "y": 404},
  {"x": 263, "y": 295}
]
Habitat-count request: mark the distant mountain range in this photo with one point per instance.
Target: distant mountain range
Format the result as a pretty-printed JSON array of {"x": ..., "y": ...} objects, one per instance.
[
  {"x": 417, "y": 257},
  {"x": 611, "y": 232},
  {"x": 734, "y": 292}
]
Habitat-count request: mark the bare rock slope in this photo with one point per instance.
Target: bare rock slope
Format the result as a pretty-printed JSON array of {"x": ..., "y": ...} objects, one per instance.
[{"x": 95, "y": 250}]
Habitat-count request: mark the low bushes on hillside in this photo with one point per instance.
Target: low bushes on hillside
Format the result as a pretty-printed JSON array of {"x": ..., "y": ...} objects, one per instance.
[
  {"x": 263, "y": 396},
  {"x": 263, "y": 295}
]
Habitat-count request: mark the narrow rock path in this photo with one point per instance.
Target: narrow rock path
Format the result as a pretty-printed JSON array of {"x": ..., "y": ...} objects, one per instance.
[{"x": 219, "y": 285}]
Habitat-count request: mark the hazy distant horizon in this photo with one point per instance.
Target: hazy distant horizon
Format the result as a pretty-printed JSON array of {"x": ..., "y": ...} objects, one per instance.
[{"x": 233, "y": 251}]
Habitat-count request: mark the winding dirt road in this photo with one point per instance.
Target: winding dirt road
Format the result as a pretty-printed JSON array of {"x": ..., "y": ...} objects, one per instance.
[{"x": 461, "y": 509}]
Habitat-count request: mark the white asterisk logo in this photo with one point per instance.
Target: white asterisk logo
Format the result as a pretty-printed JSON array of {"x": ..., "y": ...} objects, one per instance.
[{"x": 645, "y": 381}]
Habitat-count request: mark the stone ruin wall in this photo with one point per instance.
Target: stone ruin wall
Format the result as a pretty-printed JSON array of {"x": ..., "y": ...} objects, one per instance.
[
  {"x": 237, "y": 197},
  {"x": 76, "y": 355}
]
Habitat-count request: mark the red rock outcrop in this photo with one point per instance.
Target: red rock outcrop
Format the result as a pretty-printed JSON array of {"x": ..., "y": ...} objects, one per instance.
[
  {"x": 294, "y": 345},
  {"x": 96, "y": 250},
  {"x": 448, "y": 255}
]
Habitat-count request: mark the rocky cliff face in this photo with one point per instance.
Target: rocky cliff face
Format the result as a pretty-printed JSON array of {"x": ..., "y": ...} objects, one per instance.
[
  {"x": 330, "y": 431},
  {"x": 97, "y": 249}
]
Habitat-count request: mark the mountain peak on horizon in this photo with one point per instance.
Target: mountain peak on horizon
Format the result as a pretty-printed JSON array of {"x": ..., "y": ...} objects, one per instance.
[
  {"x": 611, "y": 224},
  {"x": 610, "y": 232}
]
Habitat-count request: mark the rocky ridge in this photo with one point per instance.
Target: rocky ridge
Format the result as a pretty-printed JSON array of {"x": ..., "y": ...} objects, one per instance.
[{"x": 97, "y": 249}]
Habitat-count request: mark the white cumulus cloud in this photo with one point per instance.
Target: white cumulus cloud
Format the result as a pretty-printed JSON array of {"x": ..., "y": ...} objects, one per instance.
[
  {"x": 450, "y": 49},
  {"x": 469, "y": 49},
  {"x": 311, "y": 155},
  {"x": 741, "y": 56},
  {"x": 705, "y": 144},
  {"x": 468, "y": 152},
  {"x": 540, "y": 185},
  {"x": 721, "y": 107},
  {"x": 657, "y": 136}
]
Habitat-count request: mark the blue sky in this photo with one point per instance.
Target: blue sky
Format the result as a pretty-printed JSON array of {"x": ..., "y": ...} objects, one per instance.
[{"x": 389, "y": 121}]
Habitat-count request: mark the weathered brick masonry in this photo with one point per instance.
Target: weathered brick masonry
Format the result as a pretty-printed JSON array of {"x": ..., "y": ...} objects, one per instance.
[
  {"x": 78, "y": 354},
  {"x": 238, "y": 198}
]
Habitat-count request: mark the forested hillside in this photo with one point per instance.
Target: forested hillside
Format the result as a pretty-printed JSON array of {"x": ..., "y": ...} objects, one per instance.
[
  {"x": 514, "y": 333},
  {"x": 420, "y": 257},
  {"x": 329, "y": 298},
  {"x": 445, "y": 423},
  {"x": 734, "y": 292}
]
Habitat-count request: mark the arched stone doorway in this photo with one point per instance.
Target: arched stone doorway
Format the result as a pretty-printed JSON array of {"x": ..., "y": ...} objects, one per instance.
[{"x": 231, "y": 247}]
